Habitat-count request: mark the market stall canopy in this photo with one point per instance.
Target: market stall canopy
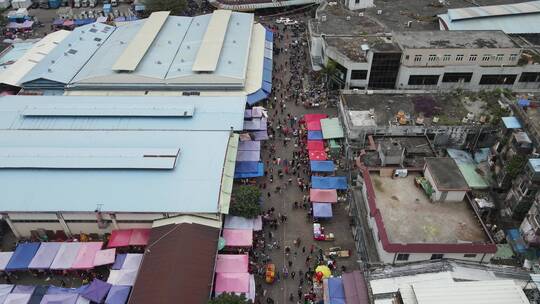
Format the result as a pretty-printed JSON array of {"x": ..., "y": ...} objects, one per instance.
[
  {"x": 17, "y": 298},
  {"x": 96, "y": 291},
  {"x": 315, "y": 145},
  {"x": 24, "y": 289},
  {"x": 119, "y": 261},
  {"x": 248, "y": 156},
  {"x": 314, "y": 117},
  {"x": 355, "y": 287},
  {"x": 5, "y": 290},
  {"x": 323, "y": 196},
  {"x": 238, "y": 237},
  {"x": 314, "y": 135},
  {"x": 322, "y": 166},
  {"x": 4, "y": 259},
  {"x": 86, "y": 255},
  {"x": 129, "y": 237},
  {"x": 331, "y": 128},
  {"x": 249, "y": 145},
  {"x": 322, "y": 210},
  {"x": 23, "y": 255},
  {"x": 232, "y": 282},
  {"x": 132, "y": 261},
  {"x": 246, "y": 166},
  {"x": 59, "y": 299},
  {"x": 336, "y": 292},
  {"x": 104, "y": 257},
  {"x": 66, "y": 255},
  {"x": 39, "y": 293},
  {"x": 317, "y": 155},
  {"x": 118, "y": 295},
  {"x": 45, "y": 255},
  {"x": 124, "y": 277},
  {"x": 232, "y": 263},
  {"x": 139, "y": 237},
  {"x": 329, "y": 182},
  {"x": 238, "y": 222},
  {"x": 314, "y": 125}
]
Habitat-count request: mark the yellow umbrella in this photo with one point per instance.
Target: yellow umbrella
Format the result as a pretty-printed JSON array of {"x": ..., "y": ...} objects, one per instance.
[{"x": 326, "y": 272}]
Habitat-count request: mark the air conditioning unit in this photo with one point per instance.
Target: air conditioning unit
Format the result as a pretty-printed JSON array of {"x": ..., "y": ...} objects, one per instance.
[
  {"x": 379, "y": 12},
  {"x": 409, "y": 23},
  {"x": 361, "y": 14},
  {"x": 348, "y": 18},
  {"x": 323, "y": 18}
]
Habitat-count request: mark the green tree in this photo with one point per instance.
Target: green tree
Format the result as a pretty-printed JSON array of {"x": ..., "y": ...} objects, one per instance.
[
  {"x": 515, "y": 165},
  {"x": 246, "y": 202},
  {"x": 176, "y": 7},
  {"x": 230, "y": 298}
]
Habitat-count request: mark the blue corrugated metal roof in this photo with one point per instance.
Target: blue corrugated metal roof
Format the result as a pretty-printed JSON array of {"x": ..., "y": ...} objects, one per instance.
[
  {"x": 534, "y": 163},
  {"x": 210, "y": 113},
  {"x": 193, "y": 185},
  {"x": 511, "y": 122}
]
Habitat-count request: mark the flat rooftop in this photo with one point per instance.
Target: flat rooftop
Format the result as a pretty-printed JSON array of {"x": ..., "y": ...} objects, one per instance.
[
  {"x": 448, "y": 108},
  {"x": 337, "y": 24},
  {"x": 446, "y": 173},
  {"x": 400, "y": 201},
  {"x": 454, "y": 40}
]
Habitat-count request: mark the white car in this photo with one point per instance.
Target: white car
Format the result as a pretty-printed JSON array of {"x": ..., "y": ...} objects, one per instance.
[
  {"x": 283, "y": 20},
  {"x": 290, "y": 22}
]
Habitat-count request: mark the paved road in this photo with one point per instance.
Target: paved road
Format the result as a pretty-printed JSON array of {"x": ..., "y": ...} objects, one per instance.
[{"x": 290, "y": 67}]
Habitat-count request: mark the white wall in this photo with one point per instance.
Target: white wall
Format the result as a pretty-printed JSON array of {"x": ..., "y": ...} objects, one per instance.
[
  {"x": 409, "y": 55},
  {"x": 451, "y": 196},
  {"x": 353, "y": 5}
]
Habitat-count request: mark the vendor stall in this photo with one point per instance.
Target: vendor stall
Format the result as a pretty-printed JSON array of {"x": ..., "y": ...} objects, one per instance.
[
  {"x": 66, "y": 255},
  {"x": 317, "y": 155},
  {"x": 238, "y": 237},
  {"x": 118, "y": 295},
  {"x": 323, "y": 195},
  {"x": 104, "y": 257},
  {"x": 45, "y": 255},
  {"x": 319, "y": 233},
  {"x": 322, "y": 210},
  {"x": 322, "y": 166},
  {"x": 329, "y": 182},
  {"x": 317, "y": 145},
  {"x": 23, "y": 255},
  {"x": 86, "y": 255},
  {"x": 232, "y": 263}
]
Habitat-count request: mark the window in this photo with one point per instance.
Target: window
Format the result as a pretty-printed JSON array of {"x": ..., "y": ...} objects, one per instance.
[
  {"x": 417, "y": 58},
  {"x": 446, "y": 57},
  {"x": 403, "y": 257},
  {"x": 469, "y": 255},
  {"x": 432, "y": 58},
  {"x": 499, "y": 57},
  {"x": 529, "y": 77},
  {"x": 498, "y": 79},
  {"x": 473, "y": 57},
  {"x": 423, "y": 79},
  {"x": 436, "y": 256},
  {"x": 457, "y": 77},
  {"x": 406, "y": 57},
  {"x": 512, "y": 57},
  {"x": 459, "y": 57},
  {"x": 358, "y": 74},
  {"x": 356, "y": 1},
  {"x": 486, "y": 57}
]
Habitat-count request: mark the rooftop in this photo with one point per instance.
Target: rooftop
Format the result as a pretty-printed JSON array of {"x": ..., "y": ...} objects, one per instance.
[
  {"x": 332, "y": 21},
  {"x": 454, "y": 39},
  {"x": 446, "y": 173},
  {"x": 401, "y": 201},
  {"x": 351, "y": 47}
]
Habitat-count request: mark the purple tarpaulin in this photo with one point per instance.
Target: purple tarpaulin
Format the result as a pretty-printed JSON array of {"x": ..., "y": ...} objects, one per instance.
[
  {"x": 255, "y": 124},
  {"x": 118, "y": 295},
  {"x": 259, "y": 135},
  {"x": 23, "y": 289},
  {"x": 96, "y": 291},
  {"x": 44, "y": 256},
  {"x": 120, "y": 258},
  {"x": 62, "y": 290},
  {"x": 246, "y": 166},
  {"x": 249, "y": 145},
  {"x": 59, "y": 299},
  {"x": 248, "y": 156}
]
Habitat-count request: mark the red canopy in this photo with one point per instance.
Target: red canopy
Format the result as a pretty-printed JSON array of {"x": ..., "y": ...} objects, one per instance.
[
  {"x": 315, "y": 145},
  {"x": 314, "y": 117},
  {"x": 314, "y": 125},
  {"x": 317, "y": 155},
  {"x": 129, "y": 237},
  {"x": 139, "y": 237}
]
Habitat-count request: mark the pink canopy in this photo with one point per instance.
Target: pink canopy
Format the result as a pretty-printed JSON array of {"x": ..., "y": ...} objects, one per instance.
[
  {"x": 315, "y": 145},
  {"x": 317, "y": 155},
  {"x": 232, "y": 263},
  {"x": 314, "y": 125},
  {"x": 120, "y": 238},
  {"x": 87, "y": 253},
  {"x": 238, "y": 237},
  {"x": 140, "y": 237},
  {"x": 104, "y": 257},
  {"x": 323, "y": 196},
  {"x": 232, "y": 282},
  {"x": 314, "y": 117}
]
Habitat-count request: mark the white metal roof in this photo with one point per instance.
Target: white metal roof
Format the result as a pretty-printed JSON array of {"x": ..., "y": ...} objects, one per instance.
[
  {"x": 391, "y": 285},
  {"x": 476, "y": 292},
  {"x": 139, "y": 45},
  {"x": 494, "y": 10},
  {"x": 212, "y": 43}
]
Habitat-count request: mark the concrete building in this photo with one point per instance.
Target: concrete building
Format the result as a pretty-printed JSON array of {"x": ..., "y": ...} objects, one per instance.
[
  {"x": 446, "y": 180},
  {"x": 358, "y": 4},
  {"x": 514, "y": 18},
  {"x": 433, "y": 231},
  {"x": 220, "y": 54},
  {"x": 93, "y": 164}
]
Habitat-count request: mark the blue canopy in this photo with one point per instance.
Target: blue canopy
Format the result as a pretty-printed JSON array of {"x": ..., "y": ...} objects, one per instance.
[
  {"x": 322, "y": 166},
  {"x": 259, "y": 95},
  {"x": 118, "y": 295},
  {"x": 246, "y": 167},
  {"x": 259, "y": 173},
  {"x": 329, "y": 182},
  {"x": 23, "y": 255},
  {"x": 336, "y": 292},
  {"x": 314, "y": 135},
  {"x": 522, "y": 102},
  {"x": 269, "y": 35},
  {"x": 120, "y": 258},
  {"x": 322, "y": 210}
]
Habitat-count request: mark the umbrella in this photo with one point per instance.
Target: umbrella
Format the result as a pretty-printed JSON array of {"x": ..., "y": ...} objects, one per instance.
[{"x": 326, "y": 272}]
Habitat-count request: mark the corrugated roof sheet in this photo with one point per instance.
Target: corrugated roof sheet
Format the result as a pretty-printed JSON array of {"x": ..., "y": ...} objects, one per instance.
[
  {"x": 212, "y": 43},
  {"x": 179, "y": 264},
  {"x": 139, "y": 45},
  {"x": 227, "y": 179},
  {"x": 108, "y": 110},
  {"x": 209, "y": 113},
  {"x": 511, "y": 122},
  {"x": 331, "y": 128},
  {"x": 494, "y": 10},
  {"x": 534, "y": 163}
]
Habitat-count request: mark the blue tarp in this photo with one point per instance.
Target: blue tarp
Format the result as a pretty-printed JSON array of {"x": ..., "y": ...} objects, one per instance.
[
  {"x": 511, "y": 122},
  {"x": 96, "y": 291},
  {"x": 118, "y": 295},
  {"x": 329, "y": 182},
  {"x": 515, "y": 239},
  {"x": 256, "y": 97},
  {"x": 522, "y": 102},
  {"x": 259, "y": 173},
  {"x": 62, "y": 290},
  {"x": 38, "y": 294},
  {"x": 269, "y": 35},
  {"x": 322, "y": 210},
  {"x": 23, "y": 255},
  {"x": 119, "y": 261},
  {"x": 266, "y": 85},
  {"x": 314, "y": 135},
  {"x": 246, "y": 167},
  {"x": 322, "y": 166},
  {"x": 336, "y": 292}
]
